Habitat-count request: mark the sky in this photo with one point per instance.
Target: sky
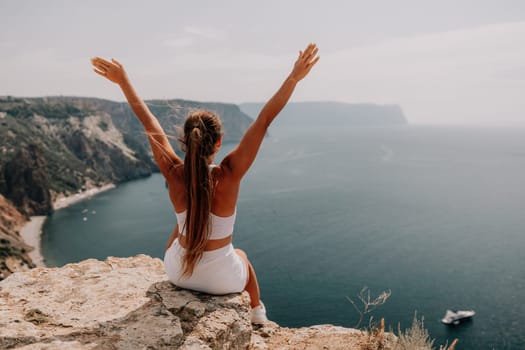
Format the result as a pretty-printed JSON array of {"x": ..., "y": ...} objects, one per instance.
[{"x": 445, "y": 62}]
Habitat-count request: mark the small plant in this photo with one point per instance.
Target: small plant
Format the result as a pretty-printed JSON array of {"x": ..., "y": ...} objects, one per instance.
[
  {"x": 376, "y": 338},
  {"x": 369, "y": 305},
  {"x": 414, "y": 338},
  {"x": 417, "y": 338}
]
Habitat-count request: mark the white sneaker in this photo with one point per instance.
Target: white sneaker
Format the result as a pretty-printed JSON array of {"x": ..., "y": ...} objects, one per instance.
[{"x": 259, "y": 314}]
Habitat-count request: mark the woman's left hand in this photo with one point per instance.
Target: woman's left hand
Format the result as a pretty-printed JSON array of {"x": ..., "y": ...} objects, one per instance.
[
  {"x": 113, "y": 71},
  {"x": 305, "y": 62}
]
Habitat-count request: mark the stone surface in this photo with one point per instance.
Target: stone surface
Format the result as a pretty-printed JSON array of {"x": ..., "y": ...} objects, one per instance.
[
  {"x": 128, "y": 303},
  {"x": 120, "y": 303},
  {"x": 271, "y": 336}
]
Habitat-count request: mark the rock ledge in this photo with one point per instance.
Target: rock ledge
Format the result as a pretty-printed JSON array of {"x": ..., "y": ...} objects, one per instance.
[
  {"x": 120, "y": 303},
  {"x": 128, "y": 303}
]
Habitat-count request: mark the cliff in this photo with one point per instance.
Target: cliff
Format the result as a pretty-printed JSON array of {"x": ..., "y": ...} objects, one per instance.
[
  {"x": 334, "y": 114},
  {"x": 13, "y": 250},
  {"x": 127, "y": 303}
]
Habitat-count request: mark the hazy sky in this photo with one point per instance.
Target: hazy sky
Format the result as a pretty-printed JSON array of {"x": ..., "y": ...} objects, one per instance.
[{"x": 446, "y": 61}]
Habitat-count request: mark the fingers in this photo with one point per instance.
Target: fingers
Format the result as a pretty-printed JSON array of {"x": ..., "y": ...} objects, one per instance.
[
  {"x": 116, "y": 62},
  {"x": 103, "y": 64},
  {"x": 309, "y": 53},
  {"x": 309, "y": 49},
  {"x": 309, "y": 57},
  {"x": 311, "y": 64},
  {"x": 99, "y": 72},
  {"x": 100, "y": 64},
  {"x": 111, "y": 70},
  {"x": 100, "y": 61},
  {"x": 313, "y": 50}
]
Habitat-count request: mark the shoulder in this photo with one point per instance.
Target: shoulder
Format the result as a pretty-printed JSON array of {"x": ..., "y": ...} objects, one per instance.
[
  {"x": 176, "y": 185},
  {"x": 225, "y": 169},
  {"x": 176, "y": 173},
  {"x": 221, "y": 172}
]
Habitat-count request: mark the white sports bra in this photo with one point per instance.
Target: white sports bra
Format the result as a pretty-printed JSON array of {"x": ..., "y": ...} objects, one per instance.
[{"x": 221, "y": 226}]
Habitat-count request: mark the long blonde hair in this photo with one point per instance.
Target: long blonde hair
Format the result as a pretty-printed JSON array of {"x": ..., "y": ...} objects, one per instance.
[{"x": 202, "y": 131}]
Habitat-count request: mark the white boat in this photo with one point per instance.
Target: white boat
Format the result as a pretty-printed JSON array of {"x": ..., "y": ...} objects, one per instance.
[{"x": 457, "y": 316}]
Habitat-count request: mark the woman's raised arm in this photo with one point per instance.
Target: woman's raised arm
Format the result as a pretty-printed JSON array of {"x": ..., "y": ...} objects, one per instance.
[
  {"x": 162, "y": 150},
  {"x": 239, "y": 160}
]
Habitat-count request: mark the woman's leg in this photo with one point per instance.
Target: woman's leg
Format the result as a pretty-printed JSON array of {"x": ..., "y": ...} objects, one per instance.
[{"x": 252, "y": 287}]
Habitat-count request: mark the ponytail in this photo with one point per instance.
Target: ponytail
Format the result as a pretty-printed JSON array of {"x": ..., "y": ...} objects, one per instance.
[{"x": 200, "y": 145}]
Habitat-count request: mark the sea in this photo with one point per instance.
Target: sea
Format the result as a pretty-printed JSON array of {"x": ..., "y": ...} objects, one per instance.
[{"x": 435, "y": 215}]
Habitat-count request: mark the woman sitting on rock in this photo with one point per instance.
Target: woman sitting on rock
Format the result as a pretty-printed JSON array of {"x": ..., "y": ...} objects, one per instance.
[{"x": 200, "y": 254}]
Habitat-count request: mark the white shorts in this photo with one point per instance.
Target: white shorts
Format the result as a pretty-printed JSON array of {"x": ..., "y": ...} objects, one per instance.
[{"x": 220, "y": 271}]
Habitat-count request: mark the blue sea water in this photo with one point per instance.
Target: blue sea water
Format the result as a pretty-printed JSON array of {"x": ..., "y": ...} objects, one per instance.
[{"x": 434, "y": 214}]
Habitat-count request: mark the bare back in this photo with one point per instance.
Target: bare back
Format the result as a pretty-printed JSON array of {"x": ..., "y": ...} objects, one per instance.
[{"x": 224, "y": 197}]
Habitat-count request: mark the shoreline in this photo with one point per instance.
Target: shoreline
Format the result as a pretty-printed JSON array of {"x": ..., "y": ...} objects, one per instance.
[
  {"x": 31, "y": 232},
  {"x": 66, "y": 201}
]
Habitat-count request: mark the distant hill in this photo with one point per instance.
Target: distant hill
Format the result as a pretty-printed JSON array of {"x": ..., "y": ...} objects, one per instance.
[{"x": 333, "y": 113}]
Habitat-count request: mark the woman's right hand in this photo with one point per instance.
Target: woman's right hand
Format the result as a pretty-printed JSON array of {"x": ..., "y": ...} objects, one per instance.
[
  {"x": 113, "y": 71},
  {"x": 305, "y": 62}
]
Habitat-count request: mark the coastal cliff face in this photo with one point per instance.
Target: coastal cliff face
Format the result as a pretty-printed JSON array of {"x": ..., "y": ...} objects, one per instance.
[
  {"x": 26, "y": 181},
  {"x": 56, "y": 148},
  {"x": 128, "y": 303},
  {"x": 13, "y": 250}
]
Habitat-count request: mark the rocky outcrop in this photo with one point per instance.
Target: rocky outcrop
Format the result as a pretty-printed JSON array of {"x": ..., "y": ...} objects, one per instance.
[
  {"x": 13, "y": 250},
  {"x": 128, "y": 303},
  {"x": 271, "y": 336},
  {"x": 120, "y": 303}
]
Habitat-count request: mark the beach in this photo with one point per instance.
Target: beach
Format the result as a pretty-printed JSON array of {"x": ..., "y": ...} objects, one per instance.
[
  {"x": 32, "y": 230},
  {"x": 31, "y": 233},
  {"x": 66, "y": 201}
]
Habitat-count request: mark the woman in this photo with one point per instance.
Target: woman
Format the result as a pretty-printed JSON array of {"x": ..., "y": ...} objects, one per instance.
[{"x": 199, "y": 254}]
